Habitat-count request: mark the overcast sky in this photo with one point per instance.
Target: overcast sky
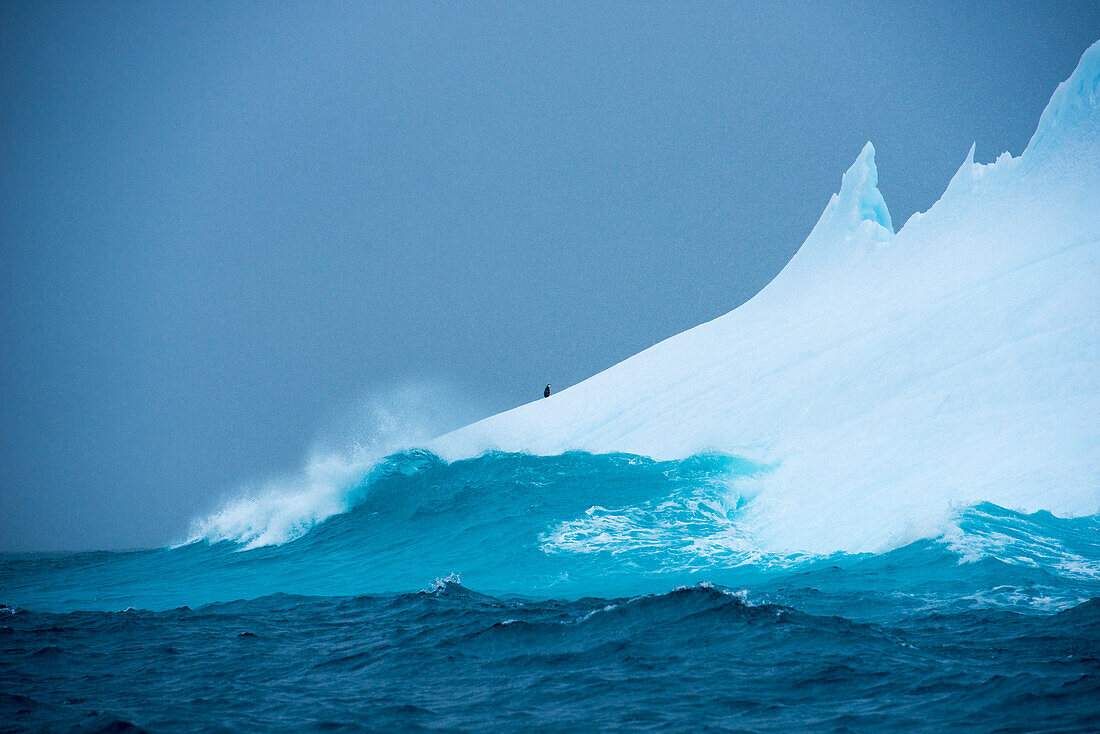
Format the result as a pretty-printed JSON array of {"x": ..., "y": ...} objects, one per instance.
[{"x": 227, "y": 228}]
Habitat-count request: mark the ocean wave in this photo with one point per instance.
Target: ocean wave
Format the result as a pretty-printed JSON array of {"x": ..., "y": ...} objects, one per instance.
[
  {"x": 1067, "y": 547},
  {"x": 565, "y": 526}
]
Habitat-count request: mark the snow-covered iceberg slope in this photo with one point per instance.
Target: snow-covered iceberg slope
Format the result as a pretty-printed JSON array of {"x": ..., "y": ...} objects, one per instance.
[{"x": 887, "y": 378}]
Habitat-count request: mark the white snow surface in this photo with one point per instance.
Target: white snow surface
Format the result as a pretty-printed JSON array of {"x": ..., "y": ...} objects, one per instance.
[{"x": 889, "y": 379}]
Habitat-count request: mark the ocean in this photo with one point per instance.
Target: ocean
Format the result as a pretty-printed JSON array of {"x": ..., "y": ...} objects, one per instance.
[{"x": 576, "y": 592}]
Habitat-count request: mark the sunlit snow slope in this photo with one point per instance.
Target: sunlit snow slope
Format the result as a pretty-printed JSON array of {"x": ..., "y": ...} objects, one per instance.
[{"x": 888, "y": 378}]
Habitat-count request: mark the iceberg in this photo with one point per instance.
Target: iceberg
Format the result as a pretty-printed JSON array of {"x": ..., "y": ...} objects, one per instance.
[{"x": 888, "y": 379}]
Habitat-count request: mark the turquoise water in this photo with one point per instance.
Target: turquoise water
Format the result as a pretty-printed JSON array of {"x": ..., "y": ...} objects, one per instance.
[{"x": 575, "y": 591}]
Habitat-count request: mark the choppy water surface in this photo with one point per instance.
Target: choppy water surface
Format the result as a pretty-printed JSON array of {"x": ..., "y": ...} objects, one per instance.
[{"x": 596, "y": 591}]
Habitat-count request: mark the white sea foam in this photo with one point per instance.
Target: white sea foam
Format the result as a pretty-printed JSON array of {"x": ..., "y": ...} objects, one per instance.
[
  {"x": 1020, "y": 542},
  {"x": 441, "y": 584},
  {"x": 286, "y": 508},
  {"x": 692, "y": 531}
]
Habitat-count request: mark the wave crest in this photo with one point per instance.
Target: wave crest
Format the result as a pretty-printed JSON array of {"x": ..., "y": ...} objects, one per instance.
[{"x": 286, "y": 509}]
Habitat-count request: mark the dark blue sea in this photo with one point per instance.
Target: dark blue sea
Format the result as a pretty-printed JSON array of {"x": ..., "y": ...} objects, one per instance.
[{"x": 570, "y": 593}]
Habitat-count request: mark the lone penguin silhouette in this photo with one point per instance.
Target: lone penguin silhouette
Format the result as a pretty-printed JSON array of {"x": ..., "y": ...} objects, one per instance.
[{"x": 546, "y": 392}]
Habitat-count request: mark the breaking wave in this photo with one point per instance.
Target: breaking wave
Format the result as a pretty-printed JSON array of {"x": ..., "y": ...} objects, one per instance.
[{"x": 562, "y": 526}]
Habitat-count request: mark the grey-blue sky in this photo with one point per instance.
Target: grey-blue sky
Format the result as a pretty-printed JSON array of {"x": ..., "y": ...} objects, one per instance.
[{"x": 222, "y": 222}]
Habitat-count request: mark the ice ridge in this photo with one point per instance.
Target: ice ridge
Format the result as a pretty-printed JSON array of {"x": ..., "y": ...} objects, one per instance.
[
  {"x": 1070, "y": 123},
  {"x": 859, "y": 199}
]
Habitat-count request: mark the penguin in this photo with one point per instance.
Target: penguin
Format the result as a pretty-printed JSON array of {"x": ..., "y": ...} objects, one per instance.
[{"x": 546, "y": 392}]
